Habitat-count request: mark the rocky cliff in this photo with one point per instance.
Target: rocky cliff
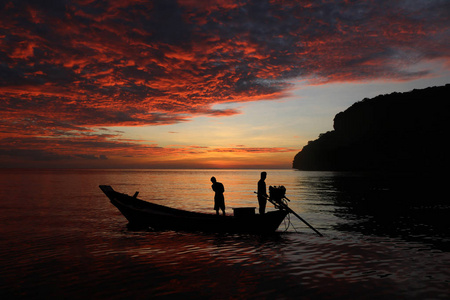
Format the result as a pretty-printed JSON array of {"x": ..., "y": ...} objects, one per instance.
[{"x": 399, "y": 131}]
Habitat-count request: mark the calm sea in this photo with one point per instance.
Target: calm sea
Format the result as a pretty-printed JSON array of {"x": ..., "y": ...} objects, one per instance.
[{"x": 386, "y": 236}]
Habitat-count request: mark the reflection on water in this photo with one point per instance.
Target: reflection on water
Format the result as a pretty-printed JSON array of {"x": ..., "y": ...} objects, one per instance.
[
  {"x": 65, "y": 240},
  {"x": 408, "y": 206}
]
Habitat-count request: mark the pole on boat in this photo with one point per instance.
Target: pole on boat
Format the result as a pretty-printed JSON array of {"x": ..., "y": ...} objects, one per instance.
[
  {"x": 288, "y": 209},
  {"x": 303, "y": 220}
]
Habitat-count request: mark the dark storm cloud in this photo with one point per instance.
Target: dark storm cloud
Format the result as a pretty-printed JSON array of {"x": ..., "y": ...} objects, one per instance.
[{"x": 69, "y": 66}]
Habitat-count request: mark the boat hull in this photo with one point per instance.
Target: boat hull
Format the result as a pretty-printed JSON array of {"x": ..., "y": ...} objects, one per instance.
[{"x": 145, "y": 214}]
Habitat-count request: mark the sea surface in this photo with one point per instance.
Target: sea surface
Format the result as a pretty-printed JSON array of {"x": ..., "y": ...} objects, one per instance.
[{"x": 386, "y": 236}]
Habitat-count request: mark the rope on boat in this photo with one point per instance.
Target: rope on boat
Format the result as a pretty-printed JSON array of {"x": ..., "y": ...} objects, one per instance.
[
  {"x": 289, "y": 218},
  {"x": 289, "y": 224},
  {"x": 286, "y": 227}
]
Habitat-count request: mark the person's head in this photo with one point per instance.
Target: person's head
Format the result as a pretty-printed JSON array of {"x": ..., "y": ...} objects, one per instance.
[
  {"x": 213, "y": 179},
  {"x": 263, "y": 175}
]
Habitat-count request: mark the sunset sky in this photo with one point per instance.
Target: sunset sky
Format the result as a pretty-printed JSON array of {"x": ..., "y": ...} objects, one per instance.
[{"x": 199, "y": 83}]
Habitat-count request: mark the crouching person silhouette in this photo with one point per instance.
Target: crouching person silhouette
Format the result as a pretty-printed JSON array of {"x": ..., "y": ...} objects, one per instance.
[{"x": 219, "y": 200}]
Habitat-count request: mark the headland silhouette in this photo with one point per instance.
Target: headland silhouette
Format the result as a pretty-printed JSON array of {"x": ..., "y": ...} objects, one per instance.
[{"x": 393, "y": 132}]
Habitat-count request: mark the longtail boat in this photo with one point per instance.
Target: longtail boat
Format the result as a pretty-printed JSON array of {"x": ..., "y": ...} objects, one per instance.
[{"x": 141, "y": 213}]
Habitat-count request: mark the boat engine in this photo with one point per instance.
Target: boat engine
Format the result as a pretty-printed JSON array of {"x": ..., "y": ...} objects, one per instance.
[{"x": 277, "y": 195}]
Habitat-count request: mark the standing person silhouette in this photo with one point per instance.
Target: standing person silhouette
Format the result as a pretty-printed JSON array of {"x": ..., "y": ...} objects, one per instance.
[
  {"x": 219, "y": 200},
  {"x": 262, "y": 195}
]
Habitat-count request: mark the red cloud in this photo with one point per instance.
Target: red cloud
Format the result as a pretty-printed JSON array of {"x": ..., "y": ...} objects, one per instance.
[{"x": 75, "y": 65}]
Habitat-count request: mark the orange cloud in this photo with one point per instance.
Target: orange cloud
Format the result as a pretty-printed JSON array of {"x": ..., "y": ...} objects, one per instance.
[{"x": 254, "y": 150}]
